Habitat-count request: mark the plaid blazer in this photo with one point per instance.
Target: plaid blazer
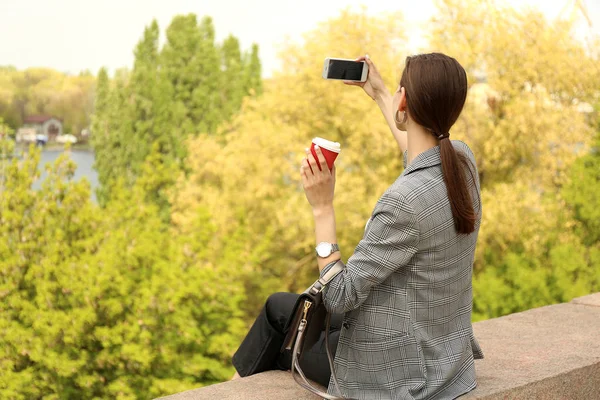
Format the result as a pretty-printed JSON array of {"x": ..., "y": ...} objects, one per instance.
[{"x": 407, "y": 295}]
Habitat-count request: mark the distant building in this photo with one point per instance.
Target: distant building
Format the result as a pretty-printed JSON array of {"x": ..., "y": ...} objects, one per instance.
[
  {"x": 45, "y": 125},
  {"x": 27, "y": 135}
]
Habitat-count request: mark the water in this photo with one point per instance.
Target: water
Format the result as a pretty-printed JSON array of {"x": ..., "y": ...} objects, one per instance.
[{"x": 84, "y": 160}]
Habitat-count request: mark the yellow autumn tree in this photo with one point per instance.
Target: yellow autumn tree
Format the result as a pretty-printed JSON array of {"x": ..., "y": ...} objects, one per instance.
[{"x": 528, "y": 119}]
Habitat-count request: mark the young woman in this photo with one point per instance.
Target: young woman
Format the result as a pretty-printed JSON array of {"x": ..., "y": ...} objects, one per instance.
[{"x": 402, "y": 326}]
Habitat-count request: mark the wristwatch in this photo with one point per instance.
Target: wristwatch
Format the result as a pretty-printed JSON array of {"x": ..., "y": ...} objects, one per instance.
[{"x": 325, "y": 249}]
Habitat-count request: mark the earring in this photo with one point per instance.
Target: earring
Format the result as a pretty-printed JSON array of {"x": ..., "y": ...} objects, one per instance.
[{"x": 404, "y": 117}]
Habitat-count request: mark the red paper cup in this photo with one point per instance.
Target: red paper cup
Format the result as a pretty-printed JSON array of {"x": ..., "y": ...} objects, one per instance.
[{"x": 329, "y": 149}]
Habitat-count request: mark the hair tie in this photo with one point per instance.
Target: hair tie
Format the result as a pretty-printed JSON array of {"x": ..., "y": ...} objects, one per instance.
[{"x": 440, "y": 136}]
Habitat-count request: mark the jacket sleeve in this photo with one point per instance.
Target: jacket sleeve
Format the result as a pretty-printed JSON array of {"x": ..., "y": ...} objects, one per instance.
[{"x": 389, "y": 242}]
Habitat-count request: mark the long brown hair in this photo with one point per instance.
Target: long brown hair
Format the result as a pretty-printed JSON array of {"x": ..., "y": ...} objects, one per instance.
[{"x": 436, "y": 90}]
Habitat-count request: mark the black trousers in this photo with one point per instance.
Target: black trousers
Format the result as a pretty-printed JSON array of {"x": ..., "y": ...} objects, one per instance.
[{"x": 260, "y": 349}]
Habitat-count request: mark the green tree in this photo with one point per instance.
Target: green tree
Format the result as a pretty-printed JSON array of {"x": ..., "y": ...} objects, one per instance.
[
  {"x": 100, "y": 119},
  {"x": 43, "y": 236},
  {"x": 582, "y": 193},
  {"x": 143, "y": 98},
  {"x": 192, "y": 69},
  {"x": 111, "y": 133},
  {"x": 111, "y": 302},
  {"x": 184, "y": 89},
  {"x": 253, "y": 78},
  {"x": 231, "y": 82},
  {"x": 8, "y": 109},
  {"x": 5, "y": 132}
]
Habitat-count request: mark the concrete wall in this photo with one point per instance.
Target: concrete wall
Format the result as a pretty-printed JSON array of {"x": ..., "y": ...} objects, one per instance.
[{"x": 547, "y": 353}]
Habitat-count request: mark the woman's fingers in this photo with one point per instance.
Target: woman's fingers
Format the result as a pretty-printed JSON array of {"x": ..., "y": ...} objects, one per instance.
[
  {"x": 306, "y": 165},
  {"x": 333, "y": 173},
  {"x": 372, "y": 67},
  {"x": 303, "y": 172},
  {"x": 311, "y": 171},
  {"x": 308, "y": 168},
  {"x": 321, "y": 159},
  {"x": 353, "y": 83},
  {"x": 313, "y": 163},
  {"x": 367, "y": 59},
  {"x": 370, "y": 63},
  {"x": 319, "y": 163}
]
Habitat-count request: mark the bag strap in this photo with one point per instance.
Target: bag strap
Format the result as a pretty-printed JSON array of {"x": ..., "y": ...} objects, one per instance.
[
  {"x": 329, "y": 356},
  {"x": 296, "y": 368},
  {"x": 320, "y": 283},
  {"x": 315, "y": 289}
]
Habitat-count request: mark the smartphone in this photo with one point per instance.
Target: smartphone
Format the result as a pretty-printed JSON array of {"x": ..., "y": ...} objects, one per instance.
[{"x": 347, "y": 70}]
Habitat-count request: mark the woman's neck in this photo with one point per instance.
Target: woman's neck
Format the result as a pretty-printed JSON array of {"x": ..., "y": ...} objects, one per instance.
[{"x": 419, "y": 140}]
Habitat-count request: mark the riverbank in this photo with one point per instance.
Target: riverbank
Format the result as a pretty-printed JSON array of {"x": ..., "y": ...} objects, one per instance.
[{"x": 59, "y": 147}]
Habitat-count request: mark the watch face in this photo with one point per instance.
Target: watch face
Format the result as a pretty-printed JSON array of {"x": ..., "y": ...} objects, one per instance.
[{"x": 324, "y": 249}]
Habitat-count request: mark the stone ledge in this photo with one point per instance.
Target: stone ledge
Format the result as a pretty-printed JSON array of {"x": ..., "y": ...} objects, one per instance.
[
  {"x": 265, "y": 386},
  {"x": 589, "y": 300},
  {"x": 548, "y": 353},
  {"x": 551, "y": 352}
]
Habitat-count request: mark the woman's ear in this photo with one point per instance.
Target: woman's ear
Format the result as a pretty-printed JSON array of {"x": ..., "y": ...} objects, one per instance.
[{"x": 402, "y": 103}]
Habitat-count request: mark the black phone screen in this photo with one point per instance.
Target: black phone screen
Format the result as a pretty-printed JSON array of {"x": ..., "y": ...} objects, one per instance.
[{"x": 342, "y": 69}]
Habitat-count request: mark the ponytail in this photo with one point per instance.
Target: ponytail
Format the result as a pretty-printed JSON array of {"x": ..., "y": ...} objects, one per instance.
[
  {"x": 436, "y": 89},
  {"x": 456, "y": 186}
]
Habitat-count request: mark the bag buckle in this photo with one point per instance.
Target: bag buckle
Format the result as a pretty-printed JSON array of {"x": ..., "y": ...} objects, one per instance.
[{"x": 316, "y": 288}]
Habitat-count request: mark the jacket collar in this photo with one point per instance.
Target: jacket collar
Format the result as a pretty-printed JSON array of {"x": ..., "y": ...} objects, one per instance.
[{"x": 426, "y": 159}]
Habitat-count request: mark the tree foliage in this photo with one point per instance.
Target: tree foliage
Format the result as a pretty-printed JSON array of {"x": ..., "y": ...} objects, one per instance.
[
  {"x": 529, "y": 77},
  {"x": 247, "y": 175},
  {"x": 184, "y": 89},
  {"x": 106, "y": 303},
  {"x": 523, "y": 120},
  {"x": 202, "y": 214},
  {"x": 48, "y": 92}
]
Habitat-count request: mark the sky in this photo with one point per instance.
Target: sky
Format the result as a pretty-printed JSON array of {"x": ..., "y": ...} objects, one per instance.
[{"x": 76, "y": 35}]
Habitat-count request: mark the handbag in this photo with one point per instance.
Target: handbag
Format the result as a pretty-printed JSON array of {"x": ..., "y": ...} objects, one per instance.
[{"x": 304, "y": 328}]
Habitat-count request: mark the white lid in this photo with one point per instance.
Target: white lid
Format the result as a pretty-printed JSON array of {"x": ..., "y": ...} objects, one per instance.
[{"x": 327, "y": 144}]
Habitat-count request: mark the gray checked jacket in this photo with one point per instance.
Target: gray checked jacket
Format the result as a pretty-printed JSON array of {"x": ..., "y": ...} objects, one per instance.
[{"x": 407, "y": 293}]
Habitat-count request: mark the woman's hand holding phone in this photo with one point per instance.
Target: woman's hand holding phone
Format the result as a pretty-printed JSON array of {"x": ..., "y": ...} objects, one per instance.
[
  {"x": 375, "y": 88},
  {"x": 374, "y": 85}
]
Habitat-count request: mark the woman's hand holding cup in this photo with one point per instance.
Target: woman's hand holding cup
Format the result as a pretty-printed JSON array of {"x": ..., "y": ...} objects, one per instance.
[
  {"x": 374, "y": 85},
  {"x": 318, "y": 173}
]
